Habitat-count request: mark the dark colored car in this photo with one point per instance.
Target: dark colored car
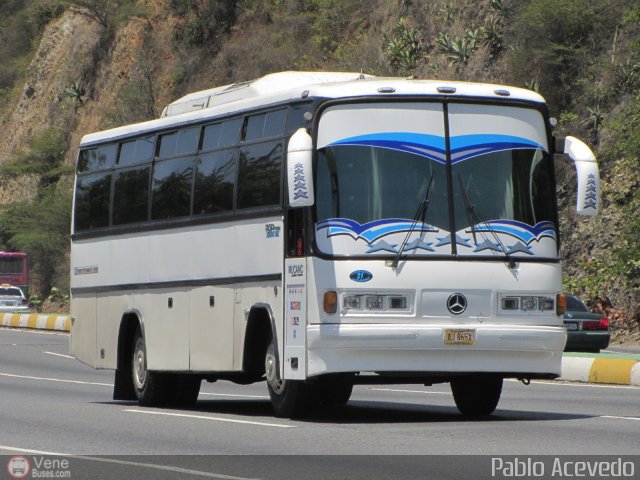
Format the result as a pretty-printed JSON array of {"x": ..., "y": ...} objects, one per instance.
[{"x": 586, "y": 331}]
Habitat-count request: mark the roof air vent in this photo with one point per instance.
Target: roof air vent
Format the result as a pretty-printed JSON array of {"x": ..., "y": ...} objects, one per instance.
[
  {"x": 386, "y": 90},
  {"x": 447, "y": 89},
  {"x": 502, "y": 92}
]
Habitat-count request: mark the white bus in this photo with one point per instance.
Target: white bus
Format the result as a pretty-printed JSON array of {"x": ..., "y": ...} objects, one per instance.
[{"x": 320, "y": 230}]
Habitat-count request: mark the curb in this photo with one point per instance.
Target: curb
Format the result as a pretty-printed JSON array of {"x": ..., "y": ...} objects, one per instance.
[
  {"x": 60, "y": 323},
  {"x": 601, "y": 368}
]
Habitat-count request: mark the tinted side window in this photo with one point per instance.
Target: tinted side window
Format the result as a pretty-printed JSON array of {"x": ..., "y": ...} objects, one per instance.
[
  {"x": 180, "y": 142},
  {"x": 259, "y": 175},
  {"x": 136, "y": 151},
  {"x": 215, "y": 177},
  {"x": 171, "y": 191},
  {"x": 131, "y": 196},
  {"x": 265, "y": 125},
  {"x": 92, "y": 201},
  {"x": 99, "y": 158},
  {"x": 230, "y": 132},
  {"x": 211, "y": 137},
  {"x": 274, "y": 123}
]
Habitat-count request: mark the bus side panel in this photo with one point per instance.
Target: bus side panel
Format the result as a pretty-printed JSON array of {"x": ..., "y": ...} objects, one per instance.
[
  {"x": 211, "y": 329},
  {"x": 165, "y": 316},
  {"x": 110, "y": 309},
  {"x": 268, "y": 295},
  {"x": 82, "y": 342}
]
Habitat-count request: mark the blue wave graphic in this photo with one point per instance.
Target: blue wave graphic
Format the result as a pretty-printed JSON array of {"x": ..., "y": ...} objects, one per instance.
[
  {"x": 520, "y": 230},
  {"x": 371, "y": 231},
  {"x": 463, "y": 147}
]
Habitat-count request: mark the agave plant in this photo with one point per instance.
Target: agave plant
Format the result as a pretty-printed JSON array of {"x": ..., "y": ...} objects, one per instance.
[
  {"x": 447, "y": 13},
  {"x": 492, "y": 34},
  {"x": 461, "y": 50},
  {"x": 594, "y": 118},
  {"x": 532, "y": 85},
  {"x": 77, "y": 93},
  {"x": 404, "y": 49},
  {"x": 501, "y": 7}
]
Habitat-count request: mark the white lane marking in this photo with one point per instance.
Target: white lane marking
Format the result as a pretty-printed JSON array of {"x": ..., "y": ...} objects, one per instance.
[
  {"x": 27, "y": 377},
  {"x": 408, "y": 391},
  {"x": 621, "y": 418},
  {"x": 214, "y": 419},
  {"x": 168, "y": 468},
  {"x": 235, "y": 395},
  {"x": 29, "y": 450},
  {"x": 58, "y": 354},
  {"x": 572, "y": 384}
]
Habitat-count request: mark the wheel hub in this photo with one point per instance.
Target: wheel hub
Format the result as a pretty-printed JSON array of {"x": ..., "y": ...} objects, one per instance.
[
  {"x": 271, "y": 370},
  {"x": 139, "y": 366}
]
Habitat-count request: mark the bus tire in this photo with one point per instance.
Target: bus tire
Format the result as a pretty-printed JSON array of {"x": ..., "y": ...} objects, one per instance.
[
  {"x": 476, "y": 395},
  {"x": 289, "y": 398},
  {"x": 151, "y": 388},
  {"x": 186, "y": 389},
  {"x": 334, "y": 390}
]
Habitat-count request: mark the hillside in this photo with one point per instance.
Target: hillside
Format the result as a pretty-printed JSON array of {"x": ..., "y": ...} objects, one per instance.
[{"x": 73, "y": 67}]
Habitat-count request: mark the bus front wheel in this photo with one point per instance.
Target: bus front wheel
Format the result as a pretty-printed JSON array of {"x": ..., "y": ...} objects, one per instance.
[
  {"x": 476, "y": 395},
  {"x": 290, "y": 398},
  {"x": 150, "y": 387}
]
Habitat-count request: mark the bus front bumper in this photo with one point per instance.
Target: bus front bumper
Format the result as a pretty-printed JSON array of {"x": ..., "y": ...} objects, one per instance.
[{"x": 504, "y": 349}]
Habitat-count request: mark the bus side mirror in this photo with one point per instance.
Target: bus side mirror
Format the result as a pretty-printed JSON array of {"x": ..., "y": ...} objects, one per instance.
[
  {"x": 299, "y": 169},
  {"x": 588, "y": 197}
]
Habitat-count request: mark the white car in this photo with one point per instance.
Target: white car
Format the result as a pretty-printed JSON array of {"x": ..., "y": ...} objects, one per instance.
[{"x": 12, "y": 299}]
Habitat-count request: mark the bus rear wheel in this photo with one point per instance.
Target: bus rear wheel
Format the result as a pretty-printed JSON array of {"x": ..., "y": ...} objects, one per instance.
[
  {"x": 151, "y": 388},
  {"x": 290, "y": 398},
  {"x": 476, "y": 395},
  {"x": 334, "y": 390}
]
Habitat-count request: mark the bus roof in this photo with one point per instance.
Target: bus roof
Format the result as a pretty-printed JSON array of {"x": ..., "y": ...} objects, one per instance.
[{"x": 290, "y": 86}]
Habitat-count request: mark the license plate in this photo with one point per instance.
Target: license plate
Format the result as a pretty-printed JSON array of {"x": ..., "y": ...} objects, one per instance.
[
  {"x": 459, "y": 337},
  {"x": 571, "y": 326}
]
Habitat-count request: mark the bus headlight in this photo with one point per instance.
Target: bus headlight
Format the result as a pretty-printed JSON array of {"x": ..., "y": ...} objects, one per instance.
[
  {"x": 375, "y": 302},
  {"x": 529, "y": 305},
  {"x": 352, "y": 302}
]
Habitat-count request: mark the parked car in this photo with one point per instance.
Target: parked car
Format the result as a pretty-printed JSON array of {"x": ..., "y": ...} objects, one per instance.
[
  {"x": 586, "y": 331},
  {"x": 12, "y": 299}
]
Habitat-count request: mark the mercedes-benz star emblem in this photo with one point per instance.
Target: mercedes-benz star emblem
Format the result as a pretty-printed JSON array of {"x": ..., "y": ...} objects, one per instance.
[{"x": 457, "y": 303}]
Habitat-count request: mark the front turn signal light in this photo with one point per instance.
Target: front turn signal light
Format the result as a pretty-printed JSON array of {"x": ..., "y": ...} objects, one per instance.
[
  {"x": 561, "y": 304},
  {"x": 330, "y": 303}
]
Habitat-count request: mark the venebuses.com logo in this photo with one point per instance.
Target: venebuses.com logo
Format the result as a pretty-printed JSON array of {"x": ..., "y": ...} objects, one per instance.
[
  {"x": 18, "y": 467},
  {"x": 38, "y": 467}
]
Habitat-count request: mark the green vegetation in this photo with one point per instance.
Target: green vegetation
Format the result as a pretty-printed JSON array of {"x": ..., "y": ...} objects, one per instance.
[{"x": 583, "y": 56}]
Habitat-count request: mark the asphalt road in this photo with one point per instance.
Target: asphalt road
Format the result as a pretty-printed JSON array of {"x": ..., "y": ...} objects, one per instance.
[{"x": 50, "y": 404}]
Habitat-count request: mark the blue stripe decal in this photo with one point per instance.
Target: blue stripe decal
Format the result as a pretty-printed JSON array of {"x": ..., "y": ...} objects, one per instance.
[
  {"x": 521, "y": 231},
  {"x": 463, "y": 147},
  {"x": 371, "y": 231}
]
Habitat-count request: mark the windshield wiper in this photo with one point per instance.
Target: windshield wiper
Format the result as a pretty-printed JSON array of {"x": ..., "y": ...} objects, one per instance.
[
  {"x": 421, "y": 213},
  {"x": 475, "y": 219}
]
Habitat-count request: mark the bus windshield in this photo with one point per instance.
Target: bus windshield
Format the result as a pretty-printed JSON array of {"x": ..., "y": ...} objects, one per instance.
[{"x": 497, "y": 197}]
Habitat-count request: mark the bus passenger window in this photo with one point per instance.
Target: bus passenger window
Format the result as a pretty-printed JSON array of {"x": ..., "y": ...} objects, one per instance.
[
  {"x": 230, "y": 132},
  {"x": 100, "y": 158},
  {"x": 259, "y": 175},
  {"x": 136, "y": 152},
  {"x": 179, "y": 143},
  {"x": 171, "y": 190},
  {"x": 211, "y": 137},
  {"x": 215, "y": 178},
  {"x": 131, "y": 196},
  {"x": 92, "y": 201}
]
